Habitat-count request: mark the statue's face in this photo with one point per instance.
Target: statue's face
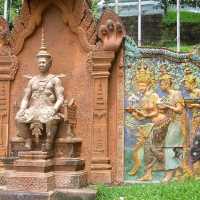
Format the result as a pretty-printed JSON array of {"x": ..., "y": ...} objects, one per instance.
[
  {"x": 165, "y": 85},
  {"x": 188, "y": 86},
  {"x": 43, "y": 64},
  {"x": 142, "y": 87}
]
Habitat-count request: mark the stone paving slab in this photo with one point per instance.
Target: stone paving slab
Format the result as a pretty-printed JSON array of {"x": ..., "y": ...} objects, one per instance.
[{"x": 70, "y": 194}]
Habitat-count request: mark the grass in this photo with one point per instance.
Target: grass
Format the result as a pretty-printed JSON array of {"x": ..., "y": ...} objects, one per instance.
[
  {"x": 187, "y": 190},
  {"x": 183, "y": 48},
  {"x": 185, "y": 17},
  {"x": 172, "y": 46}
]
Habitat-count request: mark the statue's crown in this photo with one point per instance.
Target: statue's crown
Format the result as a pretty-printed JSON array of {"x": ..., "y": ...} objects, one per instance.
[
  {"x": 164, "y": 74},
  {"x": 143, "y": 74},
  {"x": 189, "y": 77},
  {"x": 43, "y": 49}
]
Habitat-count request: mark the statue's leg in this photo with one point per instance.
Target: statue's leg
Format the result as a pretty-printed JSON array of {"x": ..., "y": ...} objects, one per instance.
[
  {"x": 23, "y": 131},
  {"x": 51, "y": 130}
]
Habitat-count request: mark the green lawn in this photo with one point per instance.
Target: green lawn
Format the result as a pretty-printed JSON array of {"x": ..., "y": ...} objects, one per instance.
[
  {"x": 188, "y": 190},
  {"x": 185, "y": 17},
  {"x": 184, "y": 47},
  {"x": 172, "y": 46}
]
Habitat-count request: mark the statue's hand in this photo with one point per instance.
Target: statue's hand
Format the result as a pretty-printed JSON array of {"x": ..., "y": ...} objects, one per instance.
[
  {"x": 52, "y": 112},
  {"x": 130, "y": 109},
  {"x": 162, "y": 105},
  {"x": 193, "y": 105},
  {"x": 21, "y": 112}
]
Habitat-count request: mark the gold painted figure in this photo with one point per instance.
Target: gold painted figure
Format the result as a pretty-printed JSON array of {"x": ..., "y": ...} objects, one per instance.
[
  {"x": 193, "y": 104},
  {"x": 172, "y": 103},
  {"x": 148, "y": 110},
  {"x": 40, "y": 105}
]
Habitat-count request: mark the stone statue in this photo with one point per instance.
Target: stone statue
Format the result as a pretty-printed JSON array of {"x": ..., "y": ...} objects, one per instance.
[{"x": 39, "y": 110}]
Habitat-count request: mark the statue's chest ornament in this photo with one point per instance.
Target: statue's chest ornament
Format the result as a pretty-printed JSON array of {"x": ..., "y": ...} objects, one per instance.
[{"x": 43, "y": 88}]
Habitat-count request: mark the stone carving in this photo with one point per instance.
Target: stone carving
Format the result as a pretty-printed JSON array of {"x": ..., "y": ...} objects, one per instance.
[
  {"x": 44, "y": 95},
  {"x": 70, "y": 117},
  {"x": 172, "y": 103},
  {"x": 151, "y": 134},
  {"x": 111, "y": 35},
  {"x": 83, "y": 24},
  {"x": 176, "y": 96},
  {"x": 4, "y": 37},
  {"x": 193, "y": 105},
  {"x": 110, "y": 31}
]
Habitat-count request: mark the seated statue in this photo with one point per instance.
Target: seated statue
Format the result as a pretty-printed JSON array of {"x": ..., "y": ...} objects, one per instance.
[{"x": 39, "y": 110}]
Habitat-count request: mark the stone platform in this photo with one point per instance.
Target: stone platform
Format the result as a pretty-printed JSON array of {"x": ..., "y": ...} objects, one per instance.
[
  {"x": 70, "y": 194},
  {"x": 37, "y": 171}
]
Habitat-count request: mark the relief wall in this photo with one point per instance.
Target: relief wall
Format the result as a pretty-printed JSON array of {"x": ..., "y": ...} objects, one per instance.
[
  {"x": 89, "y": 69},
  {"x": 161, "y": 115}
]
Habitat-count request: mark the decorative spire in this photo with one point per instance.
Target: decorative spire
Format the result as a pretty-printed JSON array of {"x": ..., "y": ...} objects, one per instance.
[{"x": 43, "y": 49}]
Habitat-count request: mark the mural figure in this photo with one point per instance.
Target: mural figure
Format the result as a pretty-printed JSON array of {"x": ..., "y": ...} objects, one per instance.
[
  {"x": 154, "y": 125},
  {"x": 172, "y": 103},
  {"x": 193, "y": 105},
  {"x": 40, "y": 105}
]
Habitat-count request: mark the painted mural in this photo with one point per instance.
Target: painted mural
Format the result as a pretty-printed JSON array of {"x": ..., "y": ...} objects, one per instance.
[{"x": 162, "y": 116}]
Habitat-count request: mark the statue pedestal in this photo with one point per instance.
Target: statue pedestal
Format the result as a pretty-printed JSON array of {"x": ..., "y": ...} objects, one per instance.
[
  {"x": 32, "y": 172},
  {"x": 69, "y": 173},
  {"x": 38, "y": 171},
  {"x": 68, "y": 166}
]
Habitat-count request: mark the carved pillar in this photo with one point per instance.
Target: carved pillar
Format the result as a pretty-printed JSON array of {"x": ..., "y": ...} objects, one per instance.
[
  {"x": 8, "y": 68},
  {"x": 100, "y": 163}
]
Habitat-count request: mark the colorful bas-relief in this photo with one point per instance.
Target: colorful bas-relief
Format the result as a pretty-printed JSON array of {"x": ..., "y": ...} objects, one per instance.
[{"x": 162, "y": 115}]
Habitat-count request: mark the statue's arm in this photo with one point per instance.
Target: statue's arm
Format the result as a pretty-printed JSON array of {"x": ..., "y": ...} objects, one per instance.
[
  {"x": 59, "y": 90},
  {"x": 26, "y": 98}
]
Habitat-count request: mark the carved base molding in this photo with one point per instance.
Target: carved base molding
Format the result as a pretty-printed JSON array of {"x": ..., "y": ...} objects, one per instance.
[
  {"x": 101, "y": 176},
  {"x": 30, "y": 181},
  {"x": 71, "y": 180},
  {"x": 44, "y": 182},
  {"x": 2, "y": 178},
  {"x": 38, "y": 171},
  {"x": 101, "y": 171}
]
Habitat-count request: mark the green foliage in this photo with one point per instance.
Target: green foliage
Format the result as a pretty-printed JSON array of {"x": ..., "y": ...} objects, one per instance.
[
  {"x": 185, "y": 17},
  {"x": 193, "y": 3},
  {"x": 14, "y": 8},
  {"x": 95, "y": 9},
  {"x": 1, "y": 6},
  {"x": 188, "y": 190}
]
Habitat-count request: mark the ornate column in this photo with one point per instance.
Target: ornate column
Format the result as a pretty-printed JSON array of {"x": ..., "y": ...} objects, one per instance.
[
  {"x": 8, "y": 69},
  {"x": 100, "y": 162}
]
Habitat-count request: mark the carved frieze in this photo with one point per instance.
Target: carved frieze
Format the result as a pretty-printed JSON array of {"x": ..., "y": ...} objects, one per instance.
[
  {"x": 31, "y": 16},
  {"x": 110, "y": 31}
]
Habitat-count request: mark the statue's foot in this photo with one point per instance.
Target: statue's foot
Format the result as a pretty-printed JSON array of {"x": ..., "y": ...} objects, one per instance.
[
  {"x": 146, "y": 177},
  {"x": 168, "y": 176}
]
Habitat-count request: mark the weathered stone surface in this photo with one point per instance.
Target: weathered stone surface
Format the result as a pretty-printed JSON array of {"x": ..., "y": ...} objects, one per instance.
[
  {"x": 5, "y": 195},
  {"x": 30, "y": 181},
  {"x": 83, "y": 194},
  {"x": 75, "y": 194},
  {"x": 71, "y": 37},
  {"x": 71, "y": 180}
]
